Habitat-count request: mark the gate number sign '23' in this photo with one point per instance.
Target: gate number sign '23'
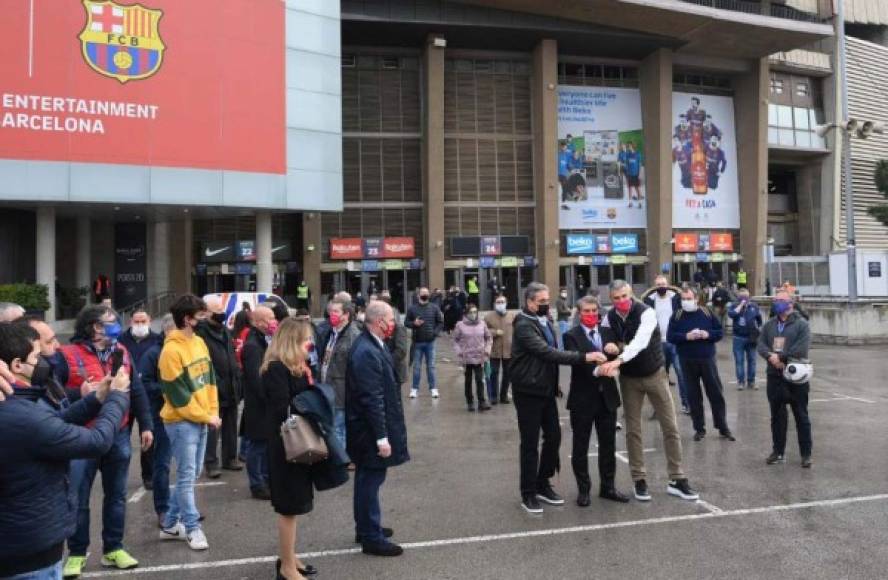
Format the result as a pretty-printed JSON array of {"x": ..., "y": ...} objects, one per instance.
[
  {"x": 162, "y": 83},
  {"x": 122, "y": 42}
]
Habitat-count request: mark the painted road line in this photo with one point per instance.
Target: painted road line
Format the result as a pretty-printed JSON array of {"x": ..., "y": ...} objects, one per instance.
[
  {"x": 708, "y": 506},
  {"x": 709, "y": 515},
  {"x": 623, "y": 455},
  {"x": 140, "y": 493}
]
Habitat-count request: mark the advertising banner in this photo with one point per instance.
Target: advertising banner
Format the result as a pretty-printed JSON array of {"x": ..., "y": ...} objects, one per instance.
[
  {"x": 145, "y": 82},
  {"x": 490, "y": 246},
  {"x": 487, "y": 262},
  {"x": 721, "y": 242},
  {"x": 373, "y": 248},
  {"x": 346, "y": 249},
  {"x": 705, "y": 189},
  {"x": 130, "y": 264},
  {"x": 398, "y": 248},
  {"x": 685, "y": 242},
  {"x": 246, "y": 251},
  {"x": 580, "y": 244},
  {"x": 624, "y": 243},
  {"x": 600, "y": 158}
]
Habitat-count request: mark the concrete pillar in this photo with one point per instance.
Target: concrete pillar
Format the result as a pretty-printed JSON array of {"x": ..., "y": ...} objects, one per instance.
[
  {"x": 45, "y": 254},
  {"x": 433, "y": 162},
  {"x": 182, "y": 239},
  {"x": 264, "y": 273},
  {"x": 188, "y": 251},
  {"x": 311, "y": 262},
  {"x": 158, "y": 258},
  {"x": 84, "y": 257},
  {"x": 751, "y": 106},
  {"x": 655, "y": 83},
  {"x": 545, "y": 144}
]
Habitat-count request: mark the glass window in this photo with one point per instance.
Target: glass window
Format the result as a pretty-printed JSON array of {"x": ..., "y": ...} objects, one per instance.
[
  {"x": 772, "y": 114},
  {"x": 772, "y": 136},
  {"x": 803, "y": 138},
  {"x": 784, "y": 116},
  {"x": 801, "y": 118},
  {"x": 785, "y": 137},
  {"x": 777, "y": 86},
  {"x": 803, "y": 89}
]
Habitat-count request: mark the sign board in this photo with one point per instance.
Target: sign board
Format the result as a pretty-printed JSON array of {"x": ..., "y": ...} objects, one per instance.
[
  {"x": 490, "y": 246},
  {"x": 130, "y": 264},
  {"x": 487, "y": 262},
  {"x": 721, "y": 242},
  {"x": 624, "y": 243},
  {"x": 717, "y": 257},
  {"x": 373, "y": 248},
  {"x": 599, "y": 260},
  {"x": 346, "y": 249},
  {"x": 509, "y": 262},
  {"x": 874, "y": 269},
  {"x": 370, "y": 265},
  {"x": 121, "y": 82},
  {"x": 618, "y": 259},
  {"x": 246, "y": 251},
  {"x": 415, "y": 264},
  {"x": 580, "y": 244},
  {"x": 217, "y": 252},
  {"x": 401, "y": 247},
  {"x": 393, "y": 265},
  {"x": 685, "y": 242}
]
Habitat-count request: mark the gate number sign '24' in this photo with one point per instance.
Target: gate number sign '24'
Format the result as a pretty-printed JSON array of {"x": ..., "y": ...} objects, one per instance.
[{"x": 122, "y": 42}]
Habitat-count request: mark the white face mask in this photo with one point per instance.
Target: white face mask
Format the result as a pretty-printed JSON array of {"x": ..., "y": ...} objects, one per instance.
[
  {"x": 689, "y": 305},
  {"x": 500, "y": 307},
  {"x": 140, "y": 330}
]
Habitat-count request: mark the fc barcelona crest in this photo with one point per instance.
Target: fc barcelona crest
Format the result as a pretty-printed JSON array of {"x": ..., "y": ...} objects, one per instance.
[{"x": 122, "y": 42}]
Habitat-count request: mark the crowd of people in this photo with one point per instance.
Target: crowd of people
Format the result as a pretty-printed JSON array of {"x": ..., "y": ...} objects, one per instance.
[{"x": 215, "y": 391}]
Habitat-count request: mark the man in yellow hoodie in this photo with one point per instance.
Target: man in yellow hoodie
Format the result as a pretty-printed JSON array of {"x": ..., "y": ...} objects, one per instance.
[{"x": 191, "y": 405}]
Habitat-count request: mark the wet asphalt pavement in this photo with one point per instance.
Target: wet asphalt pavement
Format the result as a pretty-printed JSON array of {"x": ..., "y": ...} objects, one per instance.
[{"x": 455, "y": 506}]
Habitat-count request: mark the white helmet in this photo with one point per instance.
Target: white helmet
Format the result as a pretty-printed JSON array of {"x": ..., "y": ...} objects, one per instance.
[{"x": 798, "y": 372}]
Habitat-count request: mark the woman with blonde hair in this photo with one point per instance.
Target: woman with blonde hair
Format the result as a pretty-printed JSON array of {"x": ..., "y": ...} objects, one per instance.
[{"x": 285, "y": 374}]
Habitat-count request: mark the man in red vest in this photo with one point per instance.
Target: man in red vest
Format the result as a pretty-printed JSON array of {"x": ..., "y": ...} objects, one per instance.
[{"x": 93, "y": 354}]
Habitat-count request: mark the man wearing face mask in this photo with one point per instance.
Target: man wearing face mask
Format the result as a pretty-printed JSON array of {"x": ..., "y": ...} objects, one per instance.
[
  {"x": 632, "y": 334},
  {"x": 45, "y": 374},
  {"x": 263, "y": 327},
  {"x": 214, "y": 332},
  {"x": 534, "y": 374},
  {"x": 667, "y": 301},
  {"x": 786, "y": 337},
  {"x": 375, "y": 429},
  {"x": 399, "y": 343},
  {"x": 500, "y": 322},
  {"x": 593, "y": 400},
  {"x": 334, "y": 346},
  {"x": 94, "y": 353},
  {"x": 694, "y": 330},
  {"x": 562, "y": 306},
  {"x": 37, "y": 503},
  {"x": 139, "y": 339},
  {"x": 426, "y": 321}
]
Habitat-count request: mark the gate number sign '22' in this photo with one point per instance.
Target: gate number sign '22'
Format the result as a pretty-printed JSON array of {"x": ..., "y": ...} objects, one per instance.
[{"x": 122, "y": 42}]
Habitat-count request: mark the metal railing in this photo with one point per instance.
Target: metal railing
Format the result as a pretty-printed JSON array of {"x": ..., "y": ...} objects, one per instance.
[
  {"x": 749, "y": 7},
  {"x": 155, "y": 305},
  {"x": 809, "y": 274}
]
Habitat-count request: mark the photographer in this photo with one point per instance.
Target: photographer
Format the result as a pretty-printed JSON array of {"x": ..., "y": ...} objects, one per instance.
[{"x": 38, "y": 507}]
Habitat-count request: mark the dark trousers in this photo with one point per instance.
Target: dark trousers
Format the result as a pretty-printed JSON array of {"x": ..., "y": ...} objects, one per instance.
[
  {"x": 227, "y": 434},
  {"x": 114, "y": 467},
  {"x": 780, "y": 394},
  {"x": 161, "y": 453},
  {"x": 697, "y": 371},
  {"x": 495, "y": 388},
  {"x": 605, "y": 423},
  {"x": 476, "y": 371},
  {"x": 367, "y": 510},
  {"x": 257, "y": 464},
  {"x": 537, "y": 414}
]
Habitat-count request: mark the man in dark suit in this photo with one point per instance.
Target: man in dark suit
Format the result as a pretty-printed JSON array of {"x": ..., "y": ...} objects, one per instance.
[
  {"x": 264, "y": 325},
  {"x": 376, "y": 435},
  {"x": 593, "y": 400}
]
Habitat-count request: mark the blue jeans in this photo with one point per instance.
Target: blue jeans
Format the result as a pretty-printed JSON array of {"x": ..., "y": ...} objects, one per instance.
[
  {"x": 160, "y": 479},
  {"x": 53, "y": 572},
  {"x": 114, "y": 467},
  {"x": 339, "y": 425},
  {"x": 671, "y": 356},
  {"x": 367, "y": 511},
  {"x": 427, "y": 350},
  {"x": 257, "y": 464},
  {"x": 188, "y": 442},
  {"x": 744, "y": 352}
]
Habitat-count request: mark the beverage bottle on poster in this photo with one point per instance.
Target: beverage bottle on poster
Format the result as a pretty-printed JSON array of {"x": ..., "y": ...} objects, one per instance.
[{"x": 699, "y": 181}]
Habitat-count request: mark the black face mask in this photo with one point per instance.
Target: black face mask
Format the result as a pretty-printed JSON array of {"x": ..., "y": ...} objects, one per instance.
[
  {"x": 423, "y": 297},
  {"x": 542, "y": 310},
  {"x": 662, "y": 291},
  {"x": 42, "y": 373},
  {"x": 219, "y": 318}
]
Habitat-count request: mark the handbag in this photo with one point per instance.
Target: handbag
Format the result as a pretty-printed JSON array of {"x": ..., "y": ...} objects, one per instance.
[{"x": 302, "y": 443}]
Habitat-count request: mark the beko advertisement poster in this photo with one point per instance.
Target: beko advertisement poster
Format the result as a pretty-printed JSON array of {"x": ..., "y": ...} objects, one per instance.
[
  {"x": 704, "y": 163},
  {"x": 600, "y": 158}
]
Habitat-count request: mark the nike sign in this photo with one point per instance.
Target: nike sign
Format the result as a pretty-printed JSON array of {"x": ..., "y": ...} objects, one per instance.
[
  {"x": 210, "y": 253},
  {"x": 277, "y": 249}
]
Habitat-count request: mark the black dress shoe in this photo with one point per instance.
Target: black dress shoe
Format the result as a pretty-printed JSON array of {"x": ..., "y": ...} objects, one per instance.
[
  {"x": 386, "y": 532},
  {"x": 213, "y": 472},
  {"x": 148, "y": 484},
  {"x": 613, "y": 495},
  {"x": 233, "y": 466},
  {"x": 387, "y": 549},
  {"x": 261, "y": 493},
  {"x": 583, "y": 499},
  {"x": 307, "y": 571},
  {"x": 726, "y": 434},
  {"x": 699, "y": 435}
]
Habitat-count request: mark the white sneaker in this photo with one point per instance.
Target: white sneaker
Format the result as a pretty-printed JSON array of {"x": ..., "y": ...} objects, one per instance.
[
  {"x": 414, "y": 393},
  {"x": 197, "y": 540},
  {"x": 435, "y": 394},
  {"x": 177, "y": 532}
]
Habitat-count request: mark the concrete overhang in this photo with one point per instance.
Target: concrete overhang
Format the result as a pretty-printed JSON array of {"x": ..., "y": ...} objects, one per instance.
[{"x": 699, "y": 29}]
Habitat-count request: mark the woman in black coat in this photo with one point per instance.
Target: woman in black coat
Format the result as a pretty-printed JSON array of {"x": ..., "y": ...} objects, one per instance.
[{"x": 285, "y": 373}]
